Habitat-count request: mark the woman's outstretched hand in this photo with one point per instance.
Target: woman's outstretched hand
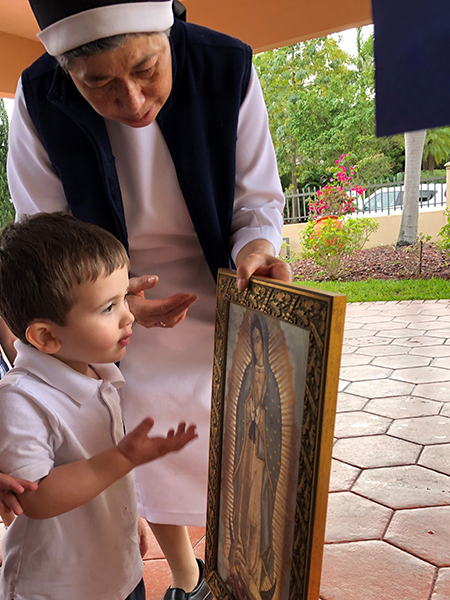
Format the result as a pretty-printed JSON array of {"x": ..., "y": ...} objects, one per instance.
[{"x": 156, "y": 313}]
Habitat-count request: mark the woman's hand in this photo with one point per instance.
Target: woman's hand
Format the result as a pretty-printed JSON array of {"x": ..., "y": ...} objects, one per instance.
[
  {"x": 258, "y": 258},
  {"x": 156, "y": 313},
  {"x": 9, "y": 487}
]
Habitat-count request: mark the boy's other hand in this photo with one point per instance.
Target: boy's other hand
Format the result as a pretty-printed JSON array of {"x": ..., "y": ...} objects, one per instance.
[
  {"x": 143, "y": 537},
  {"x": 9, "y": 487},
  {"x": 156, "y": 313},
  {"x": 138, "y": 448}
]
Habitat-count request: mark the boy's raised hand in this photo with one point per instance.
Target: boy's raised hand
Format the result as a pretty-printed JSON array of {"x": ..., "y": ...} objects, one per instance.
[
  {"x": 138, "y": 448},
  {"x": 60, "y": 491}
]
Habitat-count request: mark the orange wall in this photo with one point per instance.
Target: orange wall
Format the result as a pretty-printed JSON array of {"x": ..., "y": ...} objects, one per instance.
[
  {"x": 264, "y": 24},
  {"x": 15, "y": 55},
  {"x": 267, "y": 24}
]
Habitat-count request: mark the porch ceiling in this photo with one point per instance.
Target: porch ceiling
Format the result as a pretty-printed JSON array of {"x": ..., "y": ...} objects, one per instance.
[{"x": 264, "y": 24}]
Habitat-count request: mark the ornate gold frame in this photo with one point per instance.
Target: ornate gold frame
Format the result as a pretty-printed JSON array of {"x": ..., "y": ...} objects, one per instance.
[{"x": 322, "y": 314}]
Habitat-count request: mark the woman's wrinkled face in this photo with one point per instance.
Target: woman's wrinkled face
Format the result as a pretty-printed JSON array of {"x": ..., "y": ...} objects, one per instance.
[{"x": 129, "y": 84}]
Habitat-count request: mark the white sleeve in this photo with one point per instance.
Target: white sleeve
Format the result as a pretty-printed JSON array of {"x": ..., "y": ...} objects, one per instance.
[
  {"x": 25, "y": 434},
  {"x": 259, "y": 200},
  {"x": 34, "y": 185}
]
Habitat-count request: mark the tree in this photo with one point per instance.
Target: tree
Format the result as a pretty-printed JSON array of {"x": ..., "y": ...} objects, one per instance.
[
  {"x": 6, "y": 206},
  {"x": 414, "y": 143},
  {"x": 437, "y": 148},
  {"x": 422, "y": 148},
  {"x": 289, "y": 76},
  {"x": 321, "y": 104}
]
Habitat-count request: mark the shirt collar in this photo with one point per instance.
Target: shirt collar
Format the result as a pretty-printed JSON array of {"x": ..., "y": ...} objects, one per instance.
[{"x": 58, "y": 375}]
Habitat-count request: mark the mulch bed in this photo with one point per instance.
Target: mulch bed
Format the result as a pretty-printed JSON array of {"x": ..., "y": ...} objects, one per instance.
[{"x": 384, "y": 262}]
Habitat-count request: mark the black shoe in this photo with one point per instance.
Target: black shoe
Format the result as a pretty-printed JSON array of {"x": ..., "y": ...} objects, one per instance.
[{"x": 200, "y": 592}]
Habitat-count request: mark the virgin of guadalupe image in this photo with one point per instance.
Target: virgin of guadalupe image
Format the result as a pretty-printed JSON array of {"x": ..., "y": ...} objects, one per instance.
[{"x": 259, "y": 462}]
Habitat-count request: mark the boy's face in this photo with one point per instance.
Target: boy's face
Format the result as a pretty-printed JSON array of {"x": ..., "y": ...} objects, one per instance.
[{"x": 98, "y": 326}]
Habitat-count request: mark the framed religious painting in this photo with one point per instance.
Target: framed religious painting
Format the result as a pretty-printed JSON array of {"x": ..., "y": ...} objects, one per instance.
[{"x": 277, "y": 355}]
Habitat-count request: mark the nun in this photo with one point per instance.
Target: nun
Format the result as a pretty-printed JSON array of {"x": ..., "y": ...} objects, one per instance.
[{"x": 156, "y": 130}]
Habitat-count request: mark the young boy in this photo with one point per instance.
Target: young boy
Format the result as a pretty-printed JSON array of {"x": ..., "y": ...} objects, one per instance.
[{"x": 63, "y": 288}]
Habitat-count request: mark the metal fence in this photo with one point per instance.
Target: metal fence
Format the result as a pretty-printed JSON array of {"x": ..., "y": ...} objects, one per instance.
[{"x": 381, "y": 196}]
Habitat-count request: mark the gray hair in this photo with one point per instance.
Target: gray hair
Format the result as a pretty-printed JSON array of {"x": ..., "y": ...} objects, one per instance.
[{"x": 102, "y": 45}]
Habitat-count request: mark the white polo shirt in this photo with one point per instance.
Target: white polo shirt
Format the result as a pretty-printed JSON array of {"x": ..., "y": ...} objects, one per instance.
[{"x": 51, "y": 415}]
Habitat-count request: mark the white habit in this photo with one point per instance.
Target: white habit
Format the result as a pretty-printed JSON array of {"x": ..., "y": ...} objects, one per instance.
[{"x": 168, "y": 371}]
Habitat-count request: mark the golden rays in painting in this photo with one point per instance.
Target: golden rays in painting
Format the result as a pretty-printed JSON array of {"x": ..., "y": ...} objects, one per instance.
[{"x": 259, "y": 461}]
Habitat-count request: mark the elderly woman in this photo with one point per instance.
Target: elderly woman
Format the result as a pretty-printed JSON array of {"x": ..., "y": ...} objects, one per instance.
[{"x": 157, "y": 131}]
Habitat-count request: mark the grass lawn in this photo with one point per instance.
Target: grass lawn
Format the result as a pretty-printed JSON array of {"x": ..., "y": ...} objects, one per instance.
[{"x": 372, "y": 290}]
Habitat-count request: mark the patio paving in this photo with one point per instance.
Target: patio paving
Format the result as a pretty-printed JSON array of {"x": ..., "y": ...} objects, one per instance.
[{"x": 388, "y": 523}]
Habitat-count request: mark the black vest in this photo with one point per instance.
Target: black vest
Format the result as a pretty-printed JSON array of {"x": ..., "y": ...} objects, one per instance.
[{"x": 199, "y": 121}]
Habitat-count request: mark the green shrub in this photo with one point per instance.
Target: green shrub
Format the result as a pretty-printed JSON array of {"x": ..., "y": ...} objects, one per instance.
[
  {"x": 444, "y": 233},
  {"x": 331, "y": 246}
]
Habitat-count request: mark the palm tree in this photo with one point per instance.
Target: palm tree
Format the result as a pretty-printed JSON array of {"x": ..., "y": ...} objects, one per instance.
[
  {"x": 437, "y": 148},
  {"x": 414, "y": 144}
]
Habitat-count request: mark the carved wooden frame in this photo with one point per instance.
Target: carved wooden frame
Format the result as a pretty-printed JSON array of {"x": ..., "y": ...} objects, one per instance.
[{"x": 322, "y": 314}]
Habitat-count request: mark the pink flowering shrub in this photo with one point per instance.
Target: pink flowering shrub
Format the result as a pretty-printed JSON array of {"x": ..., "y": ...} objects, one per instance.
[{"x": 335, "y": 198}]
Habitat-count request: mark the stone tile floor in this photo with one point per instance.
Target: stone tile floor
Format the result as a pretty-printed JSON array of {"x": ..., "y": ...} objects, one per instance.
[{"x": 388, "y": 523}]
